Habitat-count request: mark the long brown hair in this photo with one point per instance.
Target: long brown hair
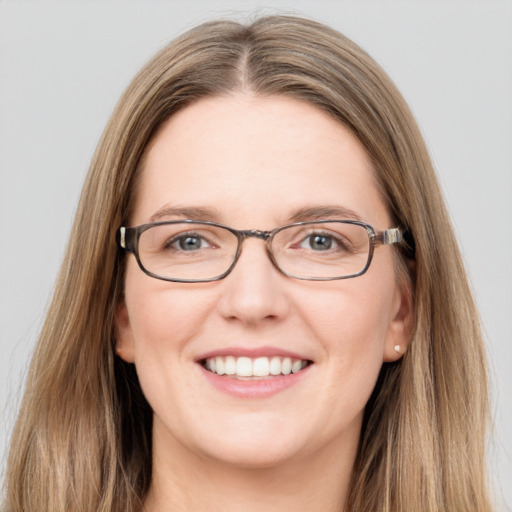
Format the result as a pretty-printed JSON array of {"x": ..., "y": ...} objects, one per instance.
[{"x": 83, "y": 437}]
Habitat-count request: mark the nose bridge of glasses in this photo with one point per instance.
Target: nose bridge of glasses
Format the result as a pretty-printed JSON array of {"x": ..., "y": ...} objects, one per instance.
[
  {"x": 266, "y": 236},
  {"x": 255, "y": 233}
]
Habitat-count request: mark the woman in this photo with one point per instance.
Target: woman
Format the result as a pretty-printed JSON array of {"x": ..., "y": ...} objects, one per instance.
[{"x": 262, "y": 304}]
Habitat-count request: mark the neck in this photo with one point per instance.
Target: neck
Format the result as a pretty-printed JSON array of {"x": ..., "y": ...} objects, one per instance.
[{"x": 190, "y": 482}]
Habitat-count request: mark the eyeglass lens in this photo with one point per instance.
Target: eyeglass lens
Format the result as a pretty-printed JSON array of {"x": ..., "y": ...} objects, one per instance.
[{"x": 191, "y": 251}]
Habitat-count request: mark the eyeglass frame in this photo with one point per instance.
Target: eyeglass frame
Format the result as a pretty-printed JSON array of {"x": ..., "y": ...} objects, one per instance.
[{"x": 128, "y": 238}]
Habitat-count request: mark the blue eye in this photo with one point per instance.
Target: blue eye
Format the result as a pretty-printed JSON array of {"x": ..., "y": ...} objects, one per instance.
[
  {"x": 188, "y": 242},
  {"x": 319, "y": 242}
]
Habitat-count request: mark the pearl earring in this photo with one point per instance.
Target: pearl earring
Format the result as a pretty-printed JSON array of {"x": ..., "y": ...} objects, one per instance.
[{"x": 397, "y": 349}]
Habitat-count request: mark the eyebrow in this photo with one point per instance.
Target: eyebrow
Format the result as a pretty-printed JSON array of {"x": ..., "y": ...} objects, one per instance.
[
  {"x": 186, "y": 212},
  {"x": 323, "y": 212}
]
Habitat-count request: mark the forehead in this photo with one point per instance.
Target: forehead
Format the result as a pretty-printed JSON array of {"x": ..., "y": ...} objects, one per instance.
[{"x": 255, "y": 159}]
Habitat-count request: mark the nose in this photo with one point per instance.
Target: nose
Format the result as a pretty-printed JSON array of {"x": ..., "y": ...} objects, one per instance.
[{"x": 254, "y": 290}]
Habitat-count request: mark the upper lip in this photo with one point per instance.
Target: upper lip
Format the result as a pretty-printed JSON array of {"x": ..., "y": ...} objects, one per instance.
[{"x": 253, "y": 353}]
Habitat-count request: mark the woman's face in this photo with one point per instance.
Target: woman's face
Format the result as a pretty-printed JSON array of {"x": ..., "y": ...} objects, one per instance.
[{"x": 254, "y": 163}]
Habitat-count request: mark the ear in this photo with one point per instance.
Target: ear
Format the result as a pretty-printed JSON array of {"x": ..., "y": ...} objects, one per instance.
[
  {"x": 125, "y": 347},
  {"x": 401, "y": 323}
]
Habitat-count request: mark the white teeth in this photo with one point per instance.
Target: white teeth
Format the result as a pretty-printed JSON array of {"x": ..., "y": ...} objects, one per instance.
[
  {"x": 230, "y": 365},
  {"x": 296, "y": 366},
  {"x": 244, "y": 367},
  {"x": 275, "y": 366},
  {"x": 286, "y": 366},
  {"x": 261, "y": 367},
  {"x": 219, "y": 366}
]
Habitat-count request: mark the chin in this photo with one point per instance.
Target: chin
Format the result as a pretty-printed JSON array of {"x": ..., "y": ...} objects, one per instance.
[
  {"x": 264, "y": 443},
  {"x": 252, "y": 457}
]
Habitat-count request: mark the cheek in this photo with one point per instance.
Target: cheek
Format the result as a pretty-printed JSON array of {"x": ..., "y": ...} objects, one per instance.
[
  {"x": 163, "y": 315},
  {"x": 350, "y": 317},
  {"x": 351, "y": 325},
  {"x": 165, "y": 319}
]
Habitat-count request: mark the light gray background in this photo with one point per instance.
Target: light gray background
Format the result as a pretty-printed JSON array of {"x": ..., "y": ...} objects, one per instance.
[{"x": 64, "y": 64}]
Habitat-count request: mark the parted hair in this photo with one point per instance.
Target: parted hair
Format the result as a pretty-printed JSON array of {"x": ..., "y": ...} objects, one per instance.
[{"x": 82, "y": 441}]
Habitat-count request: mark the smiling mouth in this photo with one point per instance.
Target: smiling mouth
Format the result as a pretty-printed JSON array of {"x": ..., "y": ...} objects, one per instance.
[{"x": 254, "y": 368}]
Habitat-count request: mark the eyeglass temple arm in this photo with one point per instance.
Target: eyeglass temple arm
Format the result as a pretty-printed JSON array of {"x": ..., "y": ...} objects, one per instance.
[
  {"x": 125, "y": 238},
  {"x": 390, "y": 236}
]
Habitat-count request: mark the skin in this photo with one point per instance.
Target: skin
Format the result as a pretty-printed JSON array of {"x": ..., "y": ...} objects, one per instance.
[{"x": 253, "y": 161}]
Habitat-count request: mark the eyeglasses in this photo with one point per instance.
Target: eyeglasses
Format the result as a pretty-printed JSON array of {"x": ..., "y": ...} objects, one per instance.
[{"x": 190, "y": 251}]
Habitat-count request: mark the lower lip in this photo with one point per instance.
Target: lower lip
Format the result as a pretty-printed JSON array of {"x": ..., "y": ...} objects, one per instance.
[{"x": 262, "y": 388}]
